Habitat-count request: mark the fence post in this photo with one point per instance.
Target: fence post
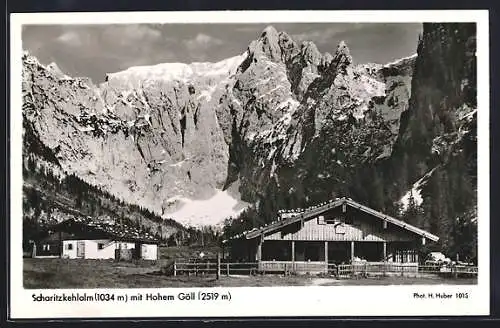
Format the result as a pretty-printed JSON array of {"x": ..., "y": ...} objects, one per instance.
[
  {"x": 218, "y": 266},
  {"x": 33, "y": 250},
  {"x": 175, "y": 267},
  {"x": 227, "y": 269}
]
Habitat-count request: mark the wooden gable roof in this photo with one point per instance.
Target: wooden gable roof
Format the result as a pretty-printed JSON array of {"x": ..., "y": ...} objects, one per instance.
[{"x": 318, "y": 209}]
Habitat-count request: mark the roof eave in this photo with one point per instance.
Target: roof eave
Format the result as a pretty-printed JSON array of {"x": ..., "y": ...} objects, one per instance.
[
  {"x": 336, "y": 203},
  {"x": 294, "y": 219},
  {"x": 392, "y": 220}
]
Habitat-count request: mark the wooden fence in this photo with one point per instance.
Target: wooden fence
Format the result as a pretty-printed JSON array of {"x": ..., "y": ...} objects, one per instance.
[
  {"x": 364, "y": 269},
  {"x": 220, "y": 267},
  {"x": 454, "y": 270},
  {"x": 212, "y": 267},
  {"x": 311, "y": 267},
  {"x": 347, "y": 271}
]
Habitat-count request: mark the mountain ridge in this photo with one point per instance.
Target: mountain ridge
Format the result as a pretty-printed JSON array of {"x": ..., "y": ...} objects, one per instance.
[{"x": 133, "y": 113}]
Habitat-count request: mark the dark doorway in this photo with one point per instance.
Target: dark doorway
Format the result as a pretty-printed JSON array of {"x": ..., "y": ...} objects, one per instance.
[
  {"x": 276, "y": 250},
  {"x": 309, "y": 251},
  {"x": 370, "y": 251},
  {"x": 137, "y": 251},
  {"x": 339, "y": 252},
  {"x": 80, "y": 249}
]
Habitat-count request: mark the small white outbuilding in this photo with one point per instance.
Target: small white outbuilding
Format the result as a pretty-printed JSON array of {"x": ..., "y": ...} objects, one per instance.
[
  {"x": 108, "y": 249},
  {"x": 76, "y": 239}
]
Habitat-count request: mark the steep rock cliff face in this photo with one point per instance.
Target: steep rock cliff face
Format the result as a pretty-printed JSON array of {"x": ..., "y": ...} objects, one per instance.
[
  {"x": 344, "y": 136},
  {"x": 436, "y": 153},
  {"x": 143, "y": 138},
  {"x": 441, "y": 119},
  {"x": 444, "y": 85},
  {"x": 282, "y": 123},
  {"x": 301, "y": 129}
]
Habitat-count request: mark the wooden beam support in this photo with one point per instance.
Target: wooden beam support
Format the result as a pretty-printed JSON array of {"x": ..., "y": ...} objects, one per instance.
[
  {"x": 352, "y": 250},
  {"x": 385, "y": 224},
  {"x": 384, "y": 251},
  {"x": 326, "y": 256},
  {"x": 61, "y": 245},
  {"x": 344, "y": 208},
  {"x": 258, "y": 254},
  {"x": 423, "y": 240},
  {"x": 218, "y": 266},
  {"x": 293, "y": 255},
  {"x": 33, "y": 250}
]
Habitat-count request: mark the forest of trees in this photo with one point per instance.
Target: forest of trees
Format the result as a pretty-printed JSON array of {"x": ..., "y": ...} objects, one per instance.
[{"x": 448, "y": 209}]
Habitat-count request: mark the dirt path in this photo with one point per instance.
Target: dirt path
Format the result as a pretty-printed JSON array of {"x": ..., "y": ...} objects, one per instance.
[{"x": 323, "y": 281}]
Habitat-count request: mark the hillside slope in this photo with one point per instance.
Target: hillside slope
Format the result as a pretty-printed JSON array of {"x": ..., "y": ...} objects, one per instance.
[{"x": 51, "y": 195}]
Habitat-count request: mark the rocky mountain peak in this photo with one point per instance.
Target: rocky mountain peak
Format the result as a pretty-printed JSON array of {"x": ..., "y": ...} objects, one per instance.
[
  {"x": 310, "y": 53},
  {"x": 53, "y": 66},
  {"x": 326, "y": 60},
  {"x": 267, "y": 44},
  {"x": 342, "y": 57},
  {"x": 269, "y": 32},
  {"x": 288, "y": 46},
  {"x": 164, "y": 135},
  {"x": 342, "y": 47}
]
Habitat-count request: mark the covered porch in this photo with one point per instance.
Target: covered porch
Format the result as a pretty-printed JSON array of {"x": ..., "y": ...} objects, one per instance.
[{"x": 317, "y": 256}]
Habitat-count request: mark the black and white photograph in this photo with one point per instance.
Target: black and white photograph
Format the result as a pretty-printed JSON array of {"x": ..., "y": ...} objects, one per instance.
[{"x": 249, "y": 154}]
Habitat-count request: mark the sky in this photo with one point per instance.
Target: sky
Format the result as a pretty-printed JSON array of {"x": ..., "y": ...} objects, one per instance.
[{"x": 94, "y": 50}]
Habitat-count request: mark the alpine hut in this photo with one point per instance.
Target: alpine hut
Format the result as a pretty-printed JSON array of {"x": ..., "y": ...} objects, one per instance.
[{"x": 334, "y": 232}]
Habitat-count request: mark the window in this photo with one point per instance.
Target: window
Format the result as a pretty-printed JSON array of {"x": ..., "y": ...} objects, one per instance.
[
  {"x": 335, "y": 220},
  {"x": 122, "y": 245},
  {"x": 100, "y": 246},
  {"x": 321, "y": 219},
  {"x": 340, "y": 228},
  {"x": 331, "y": 220},
  {"x": 384, "y": 224},
  {"x": 69, "y": 247}
]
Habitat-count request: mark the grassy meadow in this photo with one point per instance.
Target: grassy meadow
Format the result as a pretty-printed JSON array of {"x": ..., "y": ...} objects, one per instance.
[{"x": 53, "y": 273}]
